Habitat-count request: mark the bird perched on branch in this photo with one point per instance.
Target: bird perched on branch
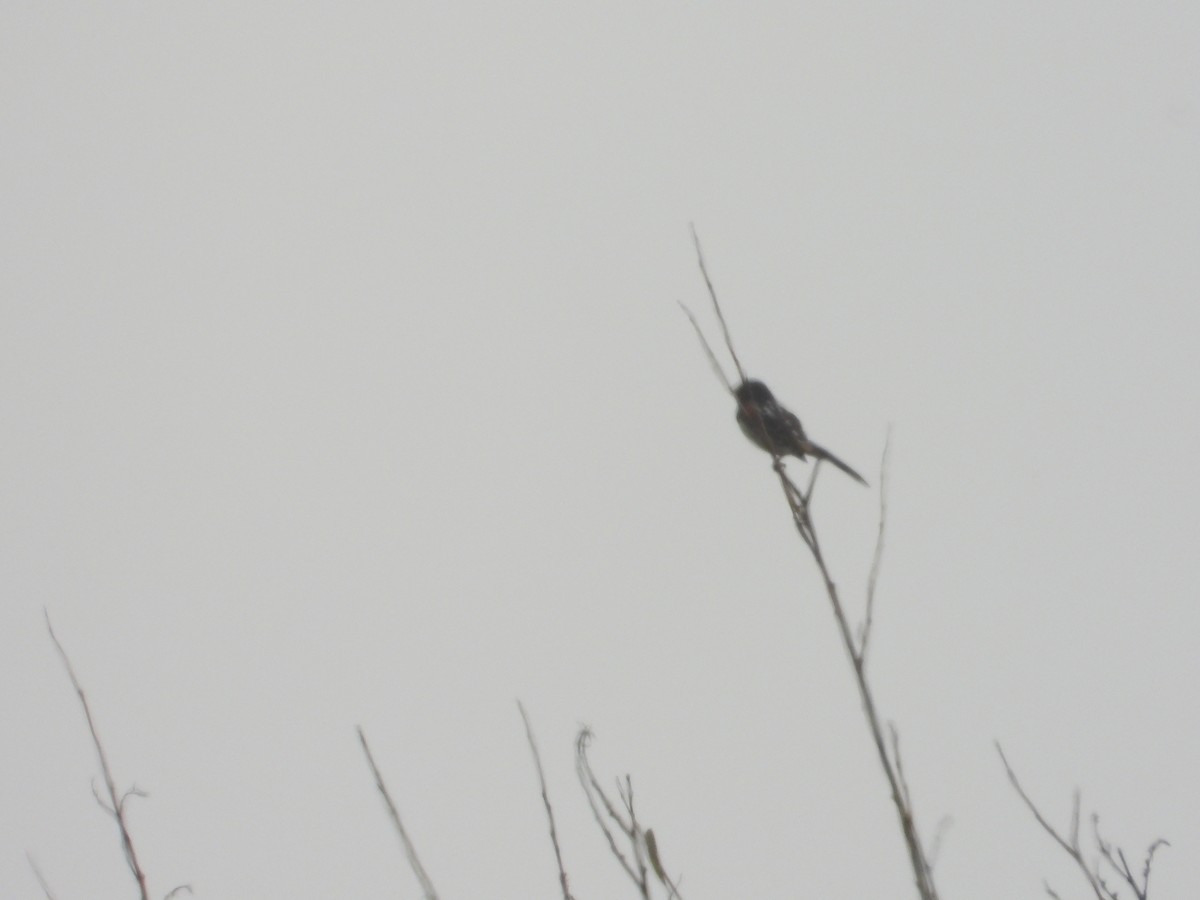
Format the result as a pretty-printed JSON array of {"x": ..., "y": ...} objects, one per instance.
[{"x": 772, "y": 427}]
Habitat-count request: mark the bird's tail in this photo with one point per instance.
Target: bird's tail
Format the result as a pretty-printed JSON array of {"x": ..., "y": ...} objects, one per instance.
[{"x": 821, "y": 453}]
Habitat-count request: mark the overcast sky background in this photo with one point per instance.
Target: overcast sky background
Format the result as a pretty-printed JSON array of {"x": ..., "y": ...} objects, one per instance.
[{"x": 343, "y": 382}]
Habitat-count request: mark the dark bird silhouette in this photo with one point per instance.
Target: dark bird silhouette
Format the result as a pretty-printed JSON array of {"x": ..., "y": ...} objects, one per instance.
[{"x": 772, "y": 427}]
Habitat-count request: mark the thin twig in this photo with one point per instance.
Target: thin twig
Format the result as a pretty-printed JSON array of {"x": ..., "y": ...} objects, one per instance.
[
  {"x": 1116, "y": 859},
  {"x": 1071, "y": 848},
  {"x": 117, "y": 807},
  {"x": 537, "y": 762},
  {"x": 642, "y": 841},
  {"x": 40, "y": 877},
  {"x": 409, "y": 850},
  {"x": 1160, "y": 842},
  {"x": 712, "y": 358},
  {"x": 904, "y": 812},
  {"x": 1076, "y": 802},
  {"x": 877, "y": 561},
  {"x": 625, "y": 792},
  {"x": 812, "y": 480},
  {"x": 935, "y": 845},
  {"x": 591, "y": 788},
  {"x": 717, "y": 306},
  {"x": 898, "y": 762},
  {"x": 798, "y": 502}
]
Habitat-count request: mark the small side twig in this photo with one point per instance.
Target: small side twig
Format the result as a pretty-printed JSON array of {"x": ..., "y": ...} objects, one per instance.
[
  {"x": 643, "y": 844},
  {"x": 116, "y": 804},
  {"x": 537, "y": 762},
  {"x": 712, "y": 357},
  {"x": 898, "y": 762},
  {"x": 410, "y": 851},
  {"x": 935, "y": 845},
  {"x": 592, "y": 790},
  {"x": 39, "y": 876},
  {"x": 877, "y": 561},
  {"x": 625, "y": 792},
  {"x": 717, "y": 306},
  {"x": 1070, "y": 846},
  {"x": 1113, "y": 856}
]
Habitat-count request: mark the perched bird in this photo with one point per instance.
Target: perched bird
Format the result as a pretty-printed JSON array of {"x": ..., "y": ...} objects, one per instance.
[{"x": 772, "y": 427}]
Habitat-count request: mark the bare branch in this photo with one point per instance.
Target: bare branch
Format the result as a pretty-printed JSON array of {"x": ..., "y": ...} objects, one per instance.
[
  {"x": 1160, "y": 842},
  {"x": 1071, "y": 847},
  {"x": 798, "y": 503},
  {"x": 115, "y": 805},
  {"x": 1128, "y": 876},
  {"x": 1115, "y": 857},
  {"x": 922, "y": 873},
  {"x": 134, "y": 791},
  {"x": 1076, "y": 800},
  {"x": 899, "y": 763},
  {"x": 410, "y": 851},
  {"x": 876, "y": 563},
  {"x": 537, "y": 762},
  {"x": 717, "y": 306},
  {"x": 40, "y": 877},
  {"x": 100, "y": 801},
  {"x": 712, "y": 359},
  {"x": 625, "y": 792},
  {"x": 812, "y": 480},
  {"x": 592, "y": 789},
  {"x": 935, "y": 845}
]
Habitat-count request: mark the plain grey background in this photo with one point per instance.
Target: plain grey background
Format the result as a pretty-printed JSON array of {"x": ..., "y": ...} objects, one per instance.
[{"x": 343, "y": 382}]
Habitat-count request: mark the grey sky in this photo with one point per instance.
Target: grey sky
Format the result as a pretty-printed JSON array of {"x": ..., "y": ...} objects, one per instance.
[{"x": 343, "y": 383}]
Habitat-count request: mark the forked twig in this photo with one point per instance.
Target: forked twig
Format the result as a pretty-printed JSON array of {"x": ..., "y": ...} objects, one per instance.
[
  {"x": 1114, "y": 856},
  {"x": 642, "y": 842},
  {"x": 410, "y": 851},
  {"x": 802, "y": 516},
  {"x": 592, "y": 790},
  {"x": 116, "y": 804},
  {"x": 776, "y": 456},
  {"x": 537, "y": 762},
  {"x": 799, "y": 503},
  {"x": 1070, "y": 847}
]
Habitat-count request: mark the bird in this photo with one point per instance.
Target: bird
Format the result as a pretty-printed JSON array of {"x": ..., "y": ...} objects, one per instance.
[{"x": 771, "y": 426}]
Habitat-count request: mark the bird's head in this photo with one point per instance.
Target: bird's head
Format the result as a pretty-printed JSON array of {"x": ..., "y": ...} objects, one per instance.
[{"x": 753, "y": 393}]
